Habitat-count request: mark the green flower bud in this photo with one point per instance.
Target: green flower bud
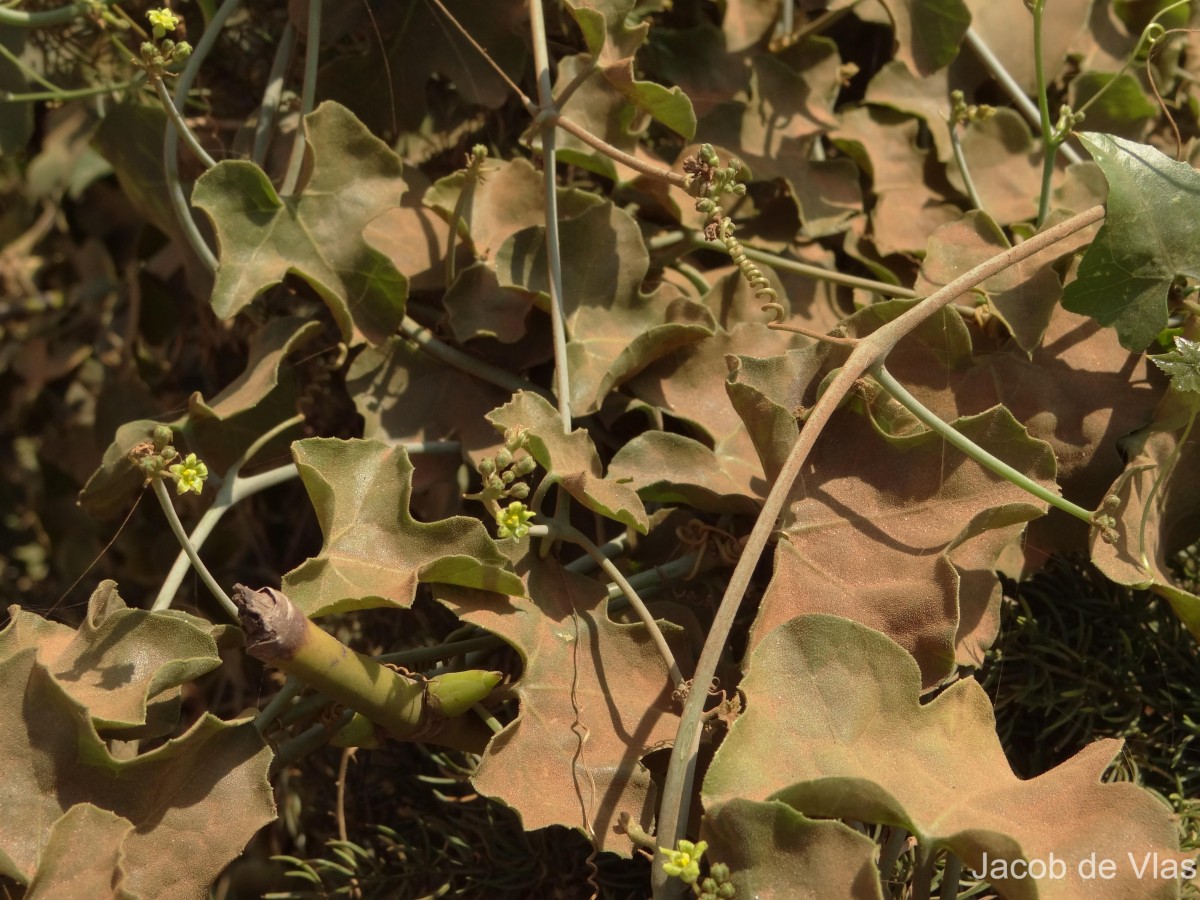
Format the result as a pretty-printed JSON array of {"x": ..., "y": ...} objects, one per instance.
[
  {"x": 504, "y": 459},
  {"x": 487, "y": 466},
  {"x": 524, "y": 466},
  {"x": 507, "y": 476},
  {"x": 162, "y": 436},
  {"x": 182, "y": 51},
  {"x": 148, "y": 51},
  {"x": 519, "y": 491}
]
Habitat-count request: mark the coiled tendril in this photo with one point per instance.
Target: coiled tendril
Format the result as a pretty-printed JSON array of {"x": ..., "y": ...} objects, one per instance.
[
  {"x": 751, "y": 272},
  {"x": 708, "y": 181}
]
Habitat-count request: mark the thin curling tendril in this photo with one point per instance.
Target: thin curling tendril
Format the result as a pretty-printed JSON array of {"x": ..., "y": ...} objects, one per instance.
[{"x": 751, "y": 272}]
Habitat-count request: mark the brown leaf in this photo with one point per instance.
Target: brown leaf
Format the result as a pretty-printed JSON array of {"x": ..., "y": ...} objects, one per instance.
[
  {"x": 614, "y": 329},
  {"x": 834, "y": 727},
  {"x": 1005, "y": 166},
  {"x": 193, "y": 802},
  {"x": 1157, "y": 510},
  {"x": 895, "y": 506},
  {"x": 595, "y": 698},
  {"x": 1023, "y": 296},
  {"x": 907, "y": 210}
]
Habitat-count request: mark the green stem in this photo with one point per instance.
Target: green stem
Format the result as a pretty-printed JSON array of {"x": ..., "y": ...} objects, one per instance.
[
  {"x": 1163, "y": 474},
  {"x": 76, "y": 94},
  {"x": 694, "y": 276},
  {"x": 1050, "y": 139},
  {"x": 566, "y": 532},
  {"x": 269, "y": 107},
  {"x": 183, "y": 84},
  {"x": 794, "y": 265},
  {"x": 164, "y": 500},
  {"x": 541, "y": 62},
  {"x": 971, "y": 449},
  {"x": 423, "y": 338},
  {"x": 872, "y": 349},
  {"x": 46, "y": 18},
  {"x": 310, "y": 741},
  {"x": 964, "y": 169},
  {"x": 996, "y": 68},
  {"x": 181, "y": 125},
  {"x": 1151, "y": 27},
  {"x": 308, "y": 94}
]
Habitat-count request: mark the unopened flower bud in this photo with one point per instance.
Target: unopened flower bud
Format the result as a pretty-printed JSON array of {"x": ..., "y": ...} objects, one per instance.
[
  {"x": 525, "y": 465},
  {"x": 162, "y": 436},
  {"x": 519, "y": 491},
  {"x": 504, "y": 458}
]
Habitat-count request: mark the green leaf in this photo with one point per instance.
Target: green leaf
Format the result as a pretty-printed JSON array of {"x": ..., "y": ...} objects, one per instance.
[
  {"x": 316, "y": 234},
  {"x": 375, "y": 553},
  {"x": 1149, "y": 238},
  {"x": 834, "y": 727},
  {"x": 928, "y": 32},
  {"x": 1182, "y": 365},
  {"x": 1123, "y": 109},
  {"x": 572, "y": 458},
  {"x": 612, "y": 44}
]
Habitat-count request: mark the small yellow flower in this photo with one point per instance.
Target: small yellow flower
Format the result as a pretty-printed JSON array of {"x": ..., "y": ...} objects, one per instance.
[
  {"x": 189, "y": 475},
  {"x": 163, "y": 19},
  {"x": 513, "y": 520},
  {"x": 684, "y": 862}
]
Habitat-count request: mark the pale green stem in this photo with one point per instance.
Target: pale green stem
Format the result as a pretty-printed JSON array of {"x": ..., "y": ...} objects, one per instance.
[
  {"x": 46, "y": 18},
  {"x": 973, "y": 450},
  {"x": 181, "y": 125},
  {"x": 311, "y": 740},
  {"x": 273, "y": 710},
  {"x": 922, "y": 881},
  {"x": 872, "y": 349},
  {"x": 27, "y": 70},
  {"x": 964, "y": 169},
  {"x": 183, "y": 84},
  {"x": 612, "y": 548},
  {"x": 76, "y": 94},
  {"x": 892, "y": 850},
  {"x": 488, "y": 719},
  {"x": 694, "y": 276},
  {"x": 308, "y": 94},
  {"x": 574, "y": 84},
  {"x": 164, "y": 500},
  {"x": 541, "y": 62},
  {"x": 1129, "y": 60},
  {"x": 471, "y": 177},
  {"x": 794, "y": 265},
  {"x": 233, "y": 489},
  {"x": 1050, "y": 139},
  {"x": 1163, "y": 474},
  {"x": 423, "y": 338},
  {"x": 575, "y": 536},
  {"x": 269, "y": 107},
  {"x": 1027, "y": 107}
]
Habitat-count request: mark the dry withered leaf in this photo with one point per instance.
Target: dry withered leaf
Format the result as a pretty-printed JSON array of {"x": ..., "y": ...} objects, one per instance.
[
  {"x": 595, "y": 698},
  {"x": 834, "y": 727}
]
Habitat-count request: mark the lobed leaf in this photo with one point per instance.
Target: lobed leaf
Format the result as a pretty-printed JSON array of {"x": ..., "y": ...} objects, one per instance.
[
  {"x": 316, "y": 234},
  {"x": 1148, "y": 240},
  {"x": 375, "y": 553},
  {"x": 834, "y": 727},
  {"x": 571, "y": 458},
  {"x": 595, "y": 697}
]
